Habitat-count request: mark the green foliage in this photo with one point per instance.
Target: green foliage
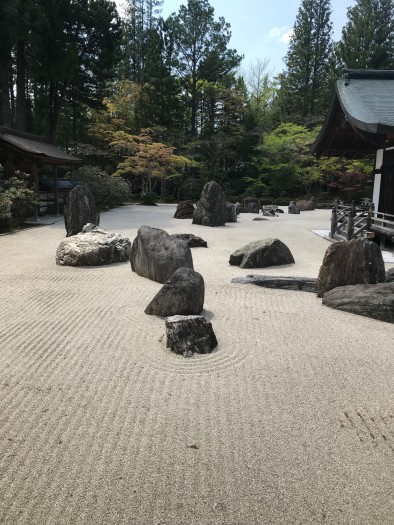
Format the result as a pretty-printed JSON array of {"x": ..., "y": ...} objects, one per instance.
[
  {"x": 148, "y": 197},
  {"x": 201, "y": 53},
  {"x": 108, "y": 191},
  {"x": 304, "y": 85},
  {"x": 368, "y": 36},
  {"x": 16, "y": 197}
]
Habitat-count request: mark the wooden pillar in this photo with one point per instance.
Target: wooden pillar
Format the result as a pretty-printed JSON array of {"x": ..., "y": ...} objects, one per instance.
[
  {"x": 37, "y": 191},
  {"x": 350, "y": 226},
  {"x": 334, "y": 222},
  {"x": 56, "y": 191}
]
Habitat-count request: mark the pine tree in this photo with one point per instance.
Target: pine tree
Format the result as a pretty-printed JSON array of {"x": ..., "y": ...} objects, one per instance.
[
  {"x": 368, "y": 36},
  {"x": 304, "y": 84},
  {"x": 201, "y": 50}
]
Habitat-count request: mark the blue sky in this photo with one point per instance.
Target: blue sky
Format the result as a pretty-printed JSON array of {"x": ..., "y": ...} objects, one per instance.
[{"x": 260, "y": 28}]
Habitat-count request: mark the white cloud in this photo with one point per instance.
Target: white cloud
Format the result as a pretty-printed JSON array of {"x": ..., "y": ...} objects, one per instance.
[
  {"x": 277, "y": 32},
  {"x": 286, "y": 37},
  {"x": 282, "y": 34}
]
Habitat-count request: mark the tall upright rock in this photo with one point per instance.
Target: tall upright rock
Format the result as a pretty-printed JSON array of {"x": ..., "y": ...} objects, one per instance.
[
  {"x": 211, "y": 209},
  {"x": 80, "y": 209}
]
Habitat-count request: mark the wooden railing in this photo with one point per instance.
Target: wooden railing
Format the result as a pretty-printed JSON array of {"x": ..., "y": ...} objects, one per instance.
[{"x": 353, "y": 222}]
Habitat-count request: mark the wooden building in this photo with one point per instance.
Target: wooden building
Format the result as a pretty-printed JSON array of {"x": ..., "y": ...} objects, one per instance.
[
  {"x": 360, "y": 123},
  {"x": 30, "y": 153}
]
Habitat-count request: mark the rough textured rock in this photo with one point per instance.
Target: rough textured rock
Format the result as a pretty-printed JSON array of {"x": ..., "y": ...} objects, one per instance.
[
  {"x": 305, "y": 205},
  {"x": 390, "y": 275},
  {"x": 249, "y": 200},
  {"x": 252, "y": 207},
  {"x": 270, "y": 210},
  {"x": 80, "y": 209},
  {"x": 211, "y": 209},
  {"x": 193, "y": 241},
  {"x": 231, "y": 212},
  {"x": 184, "y": 210},
  {"x": 189, "y": 334},
  {"x": 350, "y": 262},
  {"x": 157, "y": 255},
  {"x": 260, "y": 254},
  {"x": 293, "y": 208},
  {"x": 370, "y": 300},
  {"x": 93, "y": 247},
  {"x": 305, "y": 284},
  {"x": 182, "y": 294}
]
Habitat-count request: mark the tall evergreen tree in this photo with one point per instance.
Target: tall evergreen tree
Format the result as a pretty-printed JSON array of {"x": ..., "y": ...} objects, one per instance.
[
  {"x": 368, "y": 36},
  {"x": 201, "y": 51},
  {"x": 304, "y": 84}
]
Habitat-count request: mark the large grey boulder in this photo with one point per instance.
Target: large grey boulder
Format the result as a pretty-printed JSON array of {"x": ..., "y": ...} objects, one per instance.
[
  {"x": 93, "y": 247},
  {"x": 350, "y": 262},
  {"x": 80, "y": 209},
  {"x": 370, "y": 300},
  {"x": 211, "y": 209},
  {"x": 189, "y": 334},
  {"x": 263, "y": 253},
  {"x": 184, "y": 210},
  {"x": 157, "y": 255},
  {"x": 182, "y": 294}
]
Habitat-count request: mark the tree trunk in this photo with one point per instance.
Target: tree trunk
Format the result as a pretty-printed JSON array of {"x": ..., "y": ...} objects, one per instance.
[
  {"x": 5, "y": 108},
  {"x": 20, "y": 109}
]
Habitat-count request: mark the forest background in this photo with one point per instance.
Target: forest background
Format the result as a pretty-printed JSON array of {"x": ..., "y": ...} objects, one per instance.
[{"x": 162, "y": 103}]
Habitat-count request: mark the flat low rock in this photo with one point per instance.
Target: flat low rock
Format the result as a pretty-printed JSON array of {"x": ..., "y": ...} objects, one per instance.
[
  {"x": 156, "y": 255},
  {"x": 369, "y": 300},
  {"x": 93, "y": 247},
  {"x": 188, "y": 334},
  {"x": 305, "y": 284},
  {"x": 182, "y": 294},
  {"x": 261, "y": 254}
]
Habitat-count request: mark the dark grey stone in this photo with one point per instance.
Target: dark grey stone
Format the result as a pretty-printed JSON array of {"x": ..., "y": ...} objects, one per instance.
[
  {"x": 182, "y": 294},
  {"x": 305, "y": 205},
  {"x": 252, "y": 207},
  {"x": 390, "y": 275},
  {"x": 231, "y": 212},
  {"x": 305, "y": 284},
  {"x": 193, "y": 241},
  {"x": 189, "y": 334},
  {"x": 211, "y": 209},
  {"x": 263, "y": 253},
  {"x": 369, "y": 300},
  {"x": 293, "y": 208},
  {"x": 80, "y": 209},
  {"x": 157, "y": 255},
  {"x": 184, "y": 210},
  {"x": 350, "y": 262},
  {"x": 93, "y": 247}
]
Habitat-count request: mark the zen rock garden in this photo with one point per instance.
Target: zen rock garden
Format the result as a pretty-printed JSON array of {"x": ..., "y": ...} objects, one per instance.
[{"x": 352, "y": 277}]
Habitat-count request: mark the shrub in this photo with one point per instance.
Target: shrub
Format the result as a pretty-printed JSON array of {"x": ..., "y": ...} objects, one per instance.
[
  {"x": 148, "y": 197},
  {"x": 17, "y": 198},
  {"x": 108, "y": 191}
]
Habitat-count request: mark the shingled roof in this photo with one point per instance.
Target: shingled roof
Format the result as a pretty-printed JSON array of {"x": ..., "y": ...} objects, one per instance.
[
  {"x": 361, "y": 116},
  {"x": 33, "y": 148}
]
